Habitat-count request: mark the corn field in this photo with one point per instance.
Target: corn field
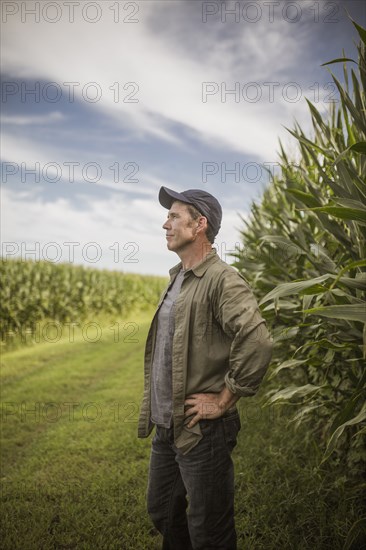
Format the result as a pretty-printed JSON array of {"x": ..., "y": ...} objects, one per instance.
[
  {"x": 34, "y": 291},
  {"x": 304, "y": 255}
]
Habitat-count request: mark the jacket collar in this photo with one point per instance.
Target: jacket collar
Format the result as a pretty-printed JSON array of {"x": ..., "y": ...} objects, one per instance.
[{"x": 199, "y": 269}]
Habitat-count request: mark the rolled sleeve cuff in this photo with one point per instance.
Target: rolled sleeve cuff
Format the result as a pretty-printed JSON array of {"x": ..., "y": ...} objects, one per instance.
[{"x": 233, "y": 386}]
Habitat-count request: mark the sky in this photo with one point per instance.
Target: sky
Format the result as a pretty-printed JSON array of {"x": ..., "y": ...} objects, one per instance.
[{"x": 104, "y": 102}]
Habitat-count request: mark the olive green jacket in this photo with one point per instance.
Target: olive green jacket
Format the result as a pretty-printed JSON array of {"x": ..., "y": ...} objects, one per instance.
[{"x": 220, "y": 339}]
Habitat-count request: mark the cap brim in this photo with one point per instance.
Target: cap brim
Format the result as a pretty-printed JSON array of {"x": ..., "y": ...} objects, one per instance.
[{"x": 168, "y": 196}]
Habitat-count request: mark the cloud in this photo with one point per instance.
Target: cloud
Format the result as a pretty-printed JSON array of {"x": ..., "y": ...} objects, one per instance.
[
  {"x": 110, "y": 226},
  {"x": 33, "y": 162},
  {"x": 165, "y": 77},
  {"x": 48, "y": 118}
]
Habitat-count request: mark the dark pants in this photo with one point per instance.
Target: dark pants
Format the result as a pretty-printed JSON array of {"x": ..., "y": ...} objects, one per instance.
[{"x": 206, "y": 476}]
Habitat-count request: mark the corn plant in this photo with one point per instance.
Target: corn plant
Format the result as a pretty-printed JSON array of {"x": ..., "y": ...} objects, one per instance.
[
  {"x": 304, "y": 254},
  {"x": 34, "y": 291}
]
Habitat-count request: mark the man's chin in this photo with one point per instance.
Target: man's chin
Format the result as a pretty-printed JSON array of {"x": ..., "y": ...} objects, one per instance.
[{"x": 172, "y": 248}]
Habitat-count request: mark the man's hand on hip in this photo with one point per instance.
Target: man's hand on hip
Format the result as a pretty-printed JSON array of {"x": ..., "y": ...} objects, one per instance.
[{"x": 208, "y": 406}]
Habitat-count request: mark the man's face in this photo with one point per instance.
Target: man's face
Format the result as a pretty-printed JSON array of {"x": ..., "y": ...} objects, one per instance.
[{"x": 180, "y": 227}]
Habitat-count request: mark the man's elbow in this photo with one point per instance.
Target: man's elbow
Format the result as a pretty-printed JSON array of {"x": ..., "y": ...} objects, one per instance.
[
  {"x": 267, "y": 347},
  {"x": 264, "y": 356}
]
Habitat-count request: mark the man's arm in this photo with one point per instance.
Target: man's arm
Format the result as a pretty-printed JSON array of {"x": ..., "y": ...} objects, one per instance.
[
  {"x": 251, "y": 348},
  {"x": 238, "y": 314}
]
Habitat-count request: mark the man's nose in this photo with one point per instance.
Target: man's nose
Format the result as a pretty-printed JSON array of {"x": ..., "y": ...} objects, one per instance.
[{"x": 166, "y": 224}]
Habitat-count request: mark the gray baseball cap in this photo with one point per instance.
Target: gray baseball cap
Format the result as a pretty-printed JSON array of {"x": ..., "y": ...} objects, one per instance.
[{"x": 205, "y": 203}]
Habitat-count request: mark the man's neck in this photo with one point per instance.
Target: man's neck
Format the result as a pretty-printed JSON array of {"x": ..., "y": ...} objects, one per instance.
[{"x": 194, "y": 256}]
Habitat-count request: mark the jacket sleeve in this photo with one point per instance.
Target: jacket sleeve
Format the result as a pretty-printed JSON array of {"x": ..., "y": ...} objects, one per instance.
[{"x": 238, "y": 313}]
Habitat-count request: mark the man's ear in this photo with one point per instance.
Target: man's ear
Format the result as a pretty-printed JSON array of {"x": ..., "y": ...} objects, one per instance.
[{"x": 202, "y": 224}]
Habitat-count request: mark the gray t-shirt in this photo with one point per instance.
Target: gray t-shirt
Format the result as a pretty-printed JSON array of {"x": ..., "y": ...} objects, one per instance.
[{"x": 161, "y": 375}]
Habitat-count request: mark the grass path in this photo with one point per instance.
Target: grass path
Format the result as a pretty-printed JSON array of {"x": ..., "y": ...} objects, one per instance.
[{"x": 74, "y": 473}]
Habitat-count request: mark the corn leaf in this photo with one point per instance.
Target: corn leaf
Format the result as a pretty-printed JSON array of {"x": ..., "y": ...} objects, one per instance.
[
  {"x": 305, "y": 198},
  {"x": 359, "y": 147},
  {"x": 293, "y": 391},
  {"x": 332, "y": 443},
  {"x": 350, "y": 312},
  {"x": 338, "y": 60},
  {"x": 354, "y": 214},
  {"x": 286, "y": 289},
  {"x": 287, "y": 365},
  {"x": 361, "y": 31}
]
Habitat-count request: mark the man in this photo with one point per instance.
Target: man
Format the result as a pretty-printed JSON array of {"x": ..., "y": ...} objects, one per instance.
[{"x": 207, "y": 347}]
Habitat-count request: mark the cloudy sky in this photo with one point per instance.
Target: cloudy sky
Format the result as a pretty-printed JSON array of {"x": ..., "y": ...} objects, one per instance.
[{"x": 104, "y": 102}]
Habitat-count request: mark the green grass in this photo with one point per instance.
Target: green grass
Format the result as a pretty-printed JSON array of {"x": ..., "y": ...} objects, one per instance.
[{"x": 74, "y": 473}]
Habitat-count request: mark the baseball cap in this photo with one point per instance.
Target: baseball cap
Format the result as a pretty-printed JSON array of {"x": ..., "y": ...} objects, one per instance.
[{"x": 205, "y": 203}]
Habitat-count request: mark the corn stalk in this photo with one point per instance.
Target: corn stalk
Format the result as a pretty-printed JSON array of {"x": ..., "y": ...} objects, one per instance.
[{"x": 304, "y": 255}]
